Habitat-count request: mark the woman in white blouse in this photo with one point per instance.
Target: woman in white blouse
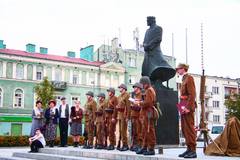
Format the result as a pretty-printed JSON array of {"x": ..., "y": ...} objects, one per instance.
[{"x": 37, "y": 141}]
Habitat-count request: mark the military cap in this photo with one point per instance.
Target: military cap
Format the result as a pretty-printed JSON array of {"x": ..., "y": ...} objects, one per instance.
[
  {"x": 123, "y": 86},
  {"x": 101, "y": 95},
  {"x": 145, "y": 80},
  {"x": 139, "y": 85},
  {"x": 63, "y": 98},
  {"x": 111, "y": 90},
  {"x": 182, "y": 65},
  {"x": 90, "y": 93}
]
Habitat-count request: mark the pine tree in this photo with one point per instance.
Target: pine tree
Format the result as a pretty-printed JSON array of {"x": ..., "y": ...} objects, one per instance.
[
  {"x": 233, "y": 106},
  {"x": 44, "y": 91}
]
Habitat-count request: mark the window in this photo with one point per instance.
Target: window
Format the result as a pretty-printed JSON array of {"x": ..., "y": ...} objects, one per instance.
[
  {"x": 1, "y": 69},
  {"x": 19, "y": 71},
  {"x": 115, "y": 80},
  {"x": 58, "y": 99},
  {"x": 91, "y": 78},
  {"x": 216, "y": 104},
  {"x": 132, "y": 62},
  {"x": 215, "y": 90},
  {"x": 216, "y": 118},
  {"x": 9, "y": 71},
  {"x": 107, "y": 80},
  {"x": 49, "y": 73},
  {"x": 18, "y": 98},
  {"x": 132, "y": 79},
  {"x": 75, "y": 77},
  {"x": 39, "y": 73},
  {"x": 58, "y": 74},
  {"x": 1, "y": 97},
  {"x": 73, "y": 99},
  {"x": 29, "y": 72},
  {"x": 84, "y": 79}
]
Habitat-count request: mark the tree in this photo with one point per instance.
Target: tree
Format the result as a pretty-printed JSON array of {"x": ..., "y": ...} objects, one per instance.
[
  {"x": 233, "y": 106},
  {"x": 44, "y": 91}
]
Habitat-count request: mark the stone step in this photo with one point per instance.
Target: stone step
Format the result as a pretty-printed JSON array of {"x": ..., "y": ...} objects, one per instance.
[
  {"x": 43, "y": 156},
  {"x": 13, "y": 158},
  {"x": 103, "y": 154}
]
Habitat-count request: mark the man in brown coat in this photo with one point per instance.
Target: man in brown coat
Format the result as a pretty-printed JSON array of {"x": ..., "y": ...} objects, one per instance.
[
  {"x": 90, "y": 116},
  {"x": 122, "y": 111},
  {"x": 100, "y": 115},
  {"x": 111, "y": 116},
  {"x": 135, "y": 117},
  {"x": 188, "y": 94},
  {"x": 149, "y": 137}
]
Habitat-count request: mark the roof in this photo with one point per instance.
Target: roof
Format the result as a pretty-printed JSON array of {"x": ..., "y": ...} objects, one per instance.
[{"x": 50, "y": 57}]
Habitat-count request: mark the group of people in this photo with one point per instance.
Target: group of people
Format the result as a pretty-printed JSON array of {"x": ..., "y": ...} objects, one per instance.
[{"x": 101, "y": 119}]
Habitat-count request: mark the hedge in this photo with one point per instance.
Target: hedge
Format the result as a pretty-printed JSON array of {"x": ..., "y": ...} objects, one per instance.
[{"x": 12, "y": 141}]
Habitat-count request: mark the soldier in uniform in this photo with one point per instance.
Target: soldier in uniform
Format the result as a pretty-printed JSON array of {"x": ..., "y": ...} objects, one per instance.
[
  {"x": 135, "y": 117},
  {"x": 100, "y": 116},
  {"x": 122, "y": 113},
  {"x": 188, "y": 93},
  {"x": 111, "y": 115},
  {"x": 90, "y": 116},
  {"x": 149, "y": 137}
]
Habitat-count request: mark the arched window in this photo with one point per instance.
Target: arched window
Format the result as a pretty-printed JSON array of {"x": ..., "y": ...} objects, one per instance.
[
  {"x": 19, "y": 71},
  {"x": 18, "y": 98},
  {"x": 1, "y": 97},
  {"x": 29, "y": 72}
]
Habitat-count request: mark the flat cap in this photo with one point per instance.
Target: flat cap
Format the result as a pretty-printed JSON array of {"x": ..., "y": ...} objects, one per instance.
[
  {"x": 63, "y": 98},
  {"x": 101, "y": 95},
  {"x": 111, "y": 90},
  {"x": 139, "y": 85},
  {"x": 90, "y": 93},
  {"x": 123, "y": 86},
  {"x": 145, "y": 80}
]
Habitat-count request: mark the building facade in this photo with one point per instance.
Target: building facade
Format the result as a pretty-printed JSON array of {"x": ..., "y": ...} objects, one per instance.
[
  {"x": 72, "y": 77},
  {"x": 217, "y": 90}
]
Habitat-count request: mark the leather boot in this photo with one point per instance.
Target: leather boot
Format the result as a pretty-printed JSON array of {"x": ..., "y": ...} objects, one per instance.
[
  {"x": 124, "y": 148},
  {"x": 149, "y": 152},
  {"x": 141, "y": 150},
  {"x": 191, "y": 154},
  {"x": 184, "y": 153}
]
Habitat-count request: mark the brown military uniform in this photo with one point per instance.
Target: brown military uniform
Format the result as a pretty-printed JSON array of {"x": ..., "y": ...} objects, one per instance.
[
  {"x": 110, "y": 112},
  {"x": 136, "y": 123},
  {"x": 122, "y": 113},
  {"x": 187, "y": 120},
  {"x": 90, "y": 117},
  {"x": 149, "y": 137},
  {"x": 100, "y": 116}
]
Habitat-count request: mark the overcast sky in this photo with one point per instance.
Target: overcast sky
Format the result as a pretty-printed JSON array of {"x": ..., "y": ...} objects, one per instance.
[{"x": 68, "y": 25}]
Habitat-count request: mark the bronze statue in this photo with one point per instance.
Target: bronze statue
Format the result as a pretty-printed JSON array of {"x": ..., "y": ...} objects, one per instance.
[{"x": 154, "y": 65}]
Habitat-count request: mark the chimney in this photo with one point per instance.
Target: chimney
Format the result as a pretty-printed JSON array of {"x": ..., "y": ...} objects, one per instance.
[
  {"x": 1, "y": 44},
  {"x": 43, "y": 50},
  {"x": 30, "y": 48},
  {"x": 71, "y": 54}
]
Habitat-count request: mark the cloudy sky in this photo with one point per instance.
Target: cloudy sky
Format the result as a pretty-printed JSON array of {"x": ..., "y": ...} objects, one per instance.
[{"x": 64, "y": 25}]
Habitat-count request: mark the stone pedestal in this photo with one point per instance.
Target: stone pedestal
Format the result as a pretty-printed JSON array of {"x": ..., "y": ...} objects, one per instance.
[{"x": 167, "y": 129}]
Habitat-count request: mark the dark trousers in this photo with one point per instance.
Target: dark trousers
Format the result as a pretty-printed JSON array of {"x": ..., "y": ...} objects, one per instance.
[
  {"x": 63, "y": 126},
  {"x": 36, "y": 145}
]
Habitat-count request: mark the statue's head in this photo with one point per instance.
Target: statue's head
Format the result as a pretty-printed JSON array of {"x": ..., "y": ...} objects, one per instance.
[{"x": 151, "y": 20}]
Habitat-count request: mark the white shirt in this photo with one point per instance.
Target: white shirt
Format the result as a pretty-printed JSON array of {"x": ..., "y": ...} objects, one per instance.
[{"x": 63, "y": 111}]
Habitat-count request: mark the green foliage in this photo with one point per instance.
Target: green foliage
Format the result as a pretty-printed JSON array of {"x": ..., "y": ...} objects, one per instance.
[
  {"x": 11, "y": 141},
  {"x": 233, "y": 105},
  {"x": 44, "y": 91}
]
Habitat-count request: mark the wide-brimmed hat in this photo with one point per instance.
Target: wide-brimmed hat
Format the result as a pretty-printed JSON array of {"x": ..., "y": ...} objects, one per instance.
[
  {"x": 52, "y": 101},
  {"x": 182, "y": 66}
]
